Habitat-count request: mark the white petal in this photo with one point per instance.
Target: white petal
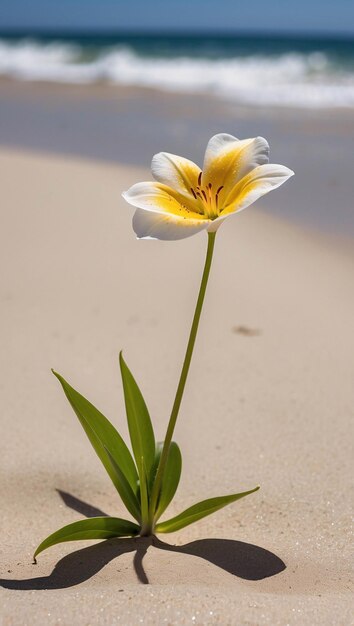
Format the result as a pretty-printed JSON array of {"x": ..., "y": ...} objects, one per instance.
[
  {"x": 254, "y": 153},
  {"x": 257, "y": 183},
  {"x": 216, "y": 144},
  {"x": 228, "y": 159},
  {"x": 174, "y": 171},
  {"x": 148, "y": 225},
  {"x": 158, "y": 198}
]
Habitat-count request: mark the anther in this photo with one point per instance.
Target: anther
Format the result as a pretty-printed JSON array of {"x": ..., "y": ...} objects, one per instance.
[
  {"x": 193, "y": 192},
  {"x": 200, "y": 179}
]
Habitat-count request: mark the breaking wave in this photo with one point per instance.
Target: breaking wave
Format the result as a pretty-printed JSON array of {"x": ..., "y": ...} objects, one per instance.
[{"x": 301, "y": 79}]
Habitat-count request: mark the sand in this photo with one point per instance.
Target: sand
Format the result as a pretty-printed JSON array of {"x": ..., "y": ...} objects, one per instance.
[{"x": 269, "y": 401}]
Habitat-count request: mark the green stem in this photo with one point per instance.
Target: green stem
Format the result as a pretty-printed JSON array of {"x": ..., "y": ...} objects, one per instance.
[{"x": 183, "y": 377}]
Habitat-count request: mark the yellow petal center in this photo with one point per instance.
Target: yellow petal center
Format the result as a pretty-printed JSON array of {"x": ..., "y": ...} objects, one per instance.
[{"x": 208, "y": 197}]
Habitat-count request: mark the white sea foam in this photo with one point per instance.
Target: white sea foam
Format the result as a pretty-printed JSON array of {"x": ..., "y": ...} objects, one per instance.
[{"x": 293, "y": 79}]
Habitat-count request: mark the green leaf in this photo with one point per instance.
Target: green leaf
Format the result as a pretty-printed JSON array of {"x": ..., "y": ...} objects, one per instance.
[
  {"x": 92, "y": 528},
  {"x": 127, "y": 494},
  {"x": 103, "y": 436},
  {"x": 197, "y": 511},
  {"x": 171, "y": 476},
  {"x": 144, "y": 497},
  {"x": 139, "y": 423}
]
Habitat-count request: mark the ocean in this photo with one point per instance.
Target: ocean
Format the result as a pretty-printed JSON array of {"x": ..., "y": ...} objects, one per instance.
[{"x": 305, "y": 72}]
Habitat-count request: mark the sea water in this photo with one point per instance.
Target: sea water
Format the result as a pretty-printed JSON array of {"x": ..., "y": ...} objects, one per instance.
[{"x": 247, "y": 69}]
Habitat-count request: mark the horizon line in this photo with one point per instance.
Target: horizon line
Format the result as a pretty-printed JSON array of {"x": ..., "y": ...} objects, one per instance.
[{"x": 87, "y": 31}]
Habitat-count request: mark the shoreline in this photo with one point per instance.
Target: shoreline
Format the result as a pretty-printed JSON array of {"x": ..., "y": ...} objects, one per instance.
[
  {"x": 130, "y": 125},
  {"x": 105, "y": 89}
]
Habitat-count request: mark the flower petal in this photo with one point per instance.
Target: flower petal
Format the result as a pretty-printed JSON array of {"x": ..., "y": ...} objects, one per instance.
[
  {"x": 160, "y": 199},
  {"x": 151, "y": 225},
  {"x": 174, "y": 171},
  {"x": 258, "y": 182},
  {"x": 228, "y": 159}
]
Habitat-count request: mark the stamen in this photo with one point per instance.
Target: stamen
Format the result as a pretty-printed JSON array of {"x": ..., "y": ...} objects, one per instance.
[
  {"x": 200, "y": 179},
  {"x": 193, "y": 192},
  {"x": 204, "y": 195},
  {"x": 217, "y": 198}
]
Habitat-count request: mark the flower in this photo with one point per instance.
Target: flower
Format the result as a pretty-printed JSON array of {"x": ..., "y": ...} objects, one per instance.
[{"x": 185, "y": 199}]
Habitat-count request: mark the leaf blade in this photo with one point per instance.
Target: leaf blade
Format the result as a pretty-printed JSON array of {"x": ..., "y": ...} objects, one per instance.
[
  {"x": 171, "y": 477},
  {"x": 125, "y": 491},
  {"x": 101, "y": 433},
  {"x": 139, "y": 423},
  {"x": 144, "y": 496},
  {"x": 200, "y": 510},
  {"x": 92, "y": 528}
]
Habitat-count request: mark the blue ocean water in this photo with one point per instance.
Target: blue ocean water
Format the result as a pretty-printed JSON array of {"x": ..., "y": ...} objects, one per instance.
[{"x": 259, "y": 70}]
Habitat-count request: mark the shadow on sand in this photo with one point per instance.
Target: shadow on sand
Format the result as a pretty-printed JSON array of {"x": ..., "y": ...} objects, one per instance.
[{"x": 240, "y": 559}]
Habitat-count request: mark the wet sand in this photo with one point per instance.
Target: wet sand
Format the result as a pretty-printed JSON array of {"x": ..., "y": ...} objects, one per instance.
[{"x": 128, "y": 125}]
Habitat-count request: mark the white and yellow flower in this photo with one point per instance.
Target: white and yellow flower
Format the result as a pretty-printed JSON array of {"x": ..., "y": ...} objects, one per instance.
[{"x": 185, "y": 199}]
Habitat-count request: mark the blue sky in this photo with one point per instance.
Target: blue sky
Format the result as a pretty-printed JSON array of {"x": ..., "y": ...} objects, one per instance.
[{"x": 317, "y": 16}]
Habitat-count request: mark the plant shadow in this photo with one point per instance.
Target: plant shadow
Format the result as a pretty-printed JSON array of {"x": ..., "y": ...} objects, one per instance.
[
  {"x": 240, "y": 559},
  {"x": 79, "y": 505}
]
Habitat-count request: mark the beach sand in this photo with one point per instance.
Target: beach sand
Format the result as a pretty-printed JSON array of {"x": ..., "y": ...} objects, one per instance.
[{"x": 269, "y": 401}]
